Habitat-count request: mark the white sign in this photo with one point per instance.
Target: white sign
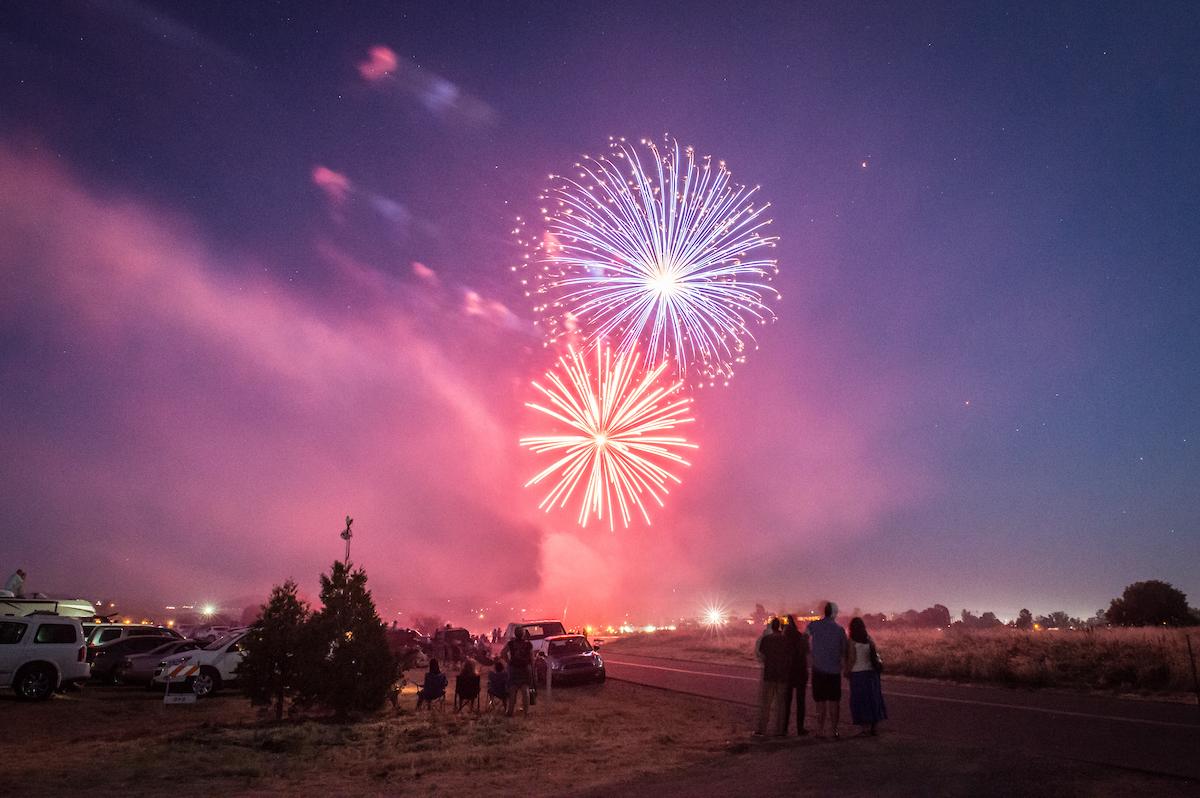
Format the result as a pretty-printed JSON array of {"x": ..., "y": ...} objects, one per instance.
[{"x": 179, "y": 698}]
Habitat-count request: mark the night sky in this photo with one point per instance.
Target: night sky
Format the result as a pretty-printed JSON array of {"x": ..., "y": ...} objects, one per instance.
[{"x": 255, "y": 276}]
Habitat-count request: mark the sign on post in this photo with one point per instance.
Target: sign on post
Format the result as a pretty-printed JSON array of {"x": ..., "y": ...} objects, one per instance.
[{"x": 183, "y": 671}]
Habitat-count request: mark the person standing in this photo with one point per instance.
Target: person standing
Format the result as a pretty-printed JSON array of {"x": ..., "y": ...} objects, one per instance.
[
  {"x": 774, "y": 652},
  {"x": 828, "y": 653},
  {"x": 518, "y": 653},
  {"x": 16, "y": 584},
  {"x": 862, "y": 666},
  {"x": 797, "y": 681}
]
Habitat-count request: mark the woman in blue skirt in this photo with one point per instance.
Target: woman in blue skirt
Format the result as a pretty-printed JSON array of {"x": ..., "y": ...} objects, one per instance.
[{"x": 862, "y": 667}]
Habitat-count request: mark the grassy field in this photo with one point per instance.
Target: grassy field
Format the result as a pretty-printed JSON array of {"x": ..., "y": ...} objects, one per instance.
[
  {"x": 1148, "y": 661},
  {"x": 109, "y": 741}
]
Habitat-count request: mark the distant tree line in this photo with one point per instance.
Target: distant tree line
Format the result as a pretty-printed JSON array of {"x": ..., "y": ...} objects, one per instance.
[
  {"x": 337, "y": 657},
  {"x": 1151, "y": 603},
  {"x": 935, "y": 617}
]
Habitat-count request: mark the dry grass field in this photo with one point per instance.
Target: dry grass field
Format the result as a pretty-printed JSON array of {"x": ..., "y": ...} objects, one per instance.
[
  {"x": 1148, "y": 661},
  {"x": 110, "y": 741}
]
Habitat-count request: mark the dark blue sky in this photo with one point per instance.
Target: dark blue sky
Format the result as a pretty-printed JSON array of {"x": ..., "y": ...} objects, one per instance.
[{"x": 981, "y": 389}]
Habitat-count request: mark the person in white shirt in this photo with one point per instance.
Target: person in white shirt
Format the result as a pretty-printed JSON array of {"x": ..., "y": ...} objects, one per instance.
[
  {"x": 862, "y": 668},
  {"x": 16, "y": 584}
]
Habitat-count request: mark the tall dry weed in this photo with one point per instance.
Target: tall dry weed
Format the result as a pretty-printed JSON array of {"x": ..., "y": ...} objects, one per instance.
[{"x": 1148, "y": 660}]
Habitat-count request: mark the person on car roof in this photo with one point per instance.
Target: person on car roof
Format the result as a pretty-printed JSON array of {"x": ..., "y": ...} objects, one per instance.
[{"x": 16, "y": 584}]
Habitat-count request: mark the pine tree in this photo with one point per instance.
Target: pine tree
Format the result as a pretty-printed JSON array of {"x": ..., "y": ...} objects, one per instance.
[
  {"x": 348, "y": 665},
  {"x": 269, "y": 670}
]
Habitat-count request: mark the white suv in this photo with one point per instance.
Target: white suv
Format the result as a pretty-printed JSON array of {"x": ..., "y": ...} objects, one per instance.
[
  {"x": 204, "y": 670},
  {"x": 41, "y": 653}
]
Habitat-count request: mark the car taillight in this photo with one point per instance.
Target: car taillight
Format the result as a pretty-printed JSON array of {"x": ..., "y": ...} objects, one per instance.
[{"x": 82, "y": 653}]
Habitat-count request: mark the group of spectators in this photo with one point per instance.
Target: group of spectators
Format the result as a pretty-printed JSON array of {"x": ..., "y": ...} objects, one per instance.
[
  {"x": 784, "y": 652},
  {"x": 510, "y": 680}
]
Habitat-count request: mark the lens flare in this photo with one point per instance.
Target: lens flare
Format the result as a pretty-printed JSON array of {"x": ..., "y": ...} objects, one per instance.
[
  {"x": 661, "y": 254},
  {"x": 614, "y": 446}
]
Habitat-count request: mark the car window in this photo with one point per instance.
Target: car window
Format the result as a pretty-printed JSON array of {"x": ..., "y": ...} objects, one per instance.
[
  {"x": 219, "y": 644},
  {"x": 107, "y": 634},
  {"x": 576, "y": 645},
  {"x": 141, "y": 645},
  {"x": 55, "y": 633},
  {"x": 538, "y": 631},
  {"x": 11, "y": 632}
]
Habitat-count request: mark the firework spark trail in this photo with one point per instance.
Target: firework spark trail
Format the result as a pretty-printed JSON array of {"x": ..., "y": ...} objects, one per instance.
[
  {"x": 658, "y": 255},
  {"x": 615, "y": 416}
]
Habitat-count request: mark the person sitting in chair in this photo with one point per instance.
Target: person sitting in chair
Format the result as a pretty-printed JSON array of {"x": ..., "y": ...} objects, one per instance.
[
  {"x": 466, "y": 687},
  {"x": 434, "y": 687},
  {"x": 498, "y": 685}
]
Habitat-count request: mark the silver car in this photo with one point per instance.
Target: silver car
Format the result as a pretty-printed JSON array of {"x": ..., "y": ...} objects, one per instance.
[{"x": 139, "y": 668}]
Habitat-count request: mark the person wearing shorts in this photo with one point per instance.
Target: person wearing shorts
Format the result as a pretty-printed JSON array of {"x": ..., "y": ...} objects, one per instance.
[{"x": 828, "y": 650}]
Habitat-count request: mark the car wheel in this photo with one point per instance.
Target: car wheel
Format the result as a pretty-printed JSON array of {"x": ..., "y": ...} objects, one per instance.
[
  {"x": 34, "y": 683},
  {"x": 207, "y": 682}
]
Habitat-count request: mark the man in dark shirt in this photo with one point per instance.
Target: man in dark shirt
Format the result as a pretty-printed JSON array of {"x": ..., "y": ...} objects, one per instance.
[
  {"x": 519, "y": 655},
  {"x": 774, "y": 651}
]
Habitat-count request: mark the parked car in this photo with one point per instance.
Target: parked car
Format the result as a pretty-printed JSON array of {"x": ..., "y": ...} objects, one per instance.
[
  {"x": 410, "y": 646},
  {"x": 204, "y": 670},
  {"x": 107, "y": 657},
  {"x": 40, "y": 654},
  {"x": 451, "y": 644},
  {"x": 103, "y": 633},
  {"x": 139, "y": 668},
  {"x": 572, "y": 659},
  {"x": 407, "y": 638}
]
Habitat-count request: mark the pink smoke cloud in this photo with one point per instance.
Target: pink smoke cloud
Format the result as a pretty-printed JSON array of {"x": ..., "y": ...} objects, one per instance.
[
  {"x": 242, "y": 419},
  {"x": 335, "y": 185},
  {"x": 380, "y": 63}
]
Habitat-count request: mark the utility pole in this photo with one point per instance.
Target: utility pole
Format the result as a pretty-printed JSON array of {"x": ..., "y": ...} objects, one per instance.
[{"x": 346, "y": 535}]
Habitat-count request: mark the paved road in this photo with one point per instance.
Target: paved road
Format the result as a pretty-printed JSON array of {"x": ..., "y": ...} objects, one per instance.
[{"x": 1152, "y": 736}]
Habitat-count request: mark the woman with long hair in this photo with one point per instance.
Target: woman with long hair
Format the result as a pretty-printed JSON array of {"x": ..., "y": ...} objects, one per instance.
[
  {"x": 434, "y": 687},
  {"x": 862, "y": 667}
]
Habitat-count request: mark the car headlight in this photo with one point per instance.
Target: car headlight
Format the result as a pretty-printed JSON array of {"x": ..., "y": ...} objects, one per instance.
[{"x": 173, "y": 661}]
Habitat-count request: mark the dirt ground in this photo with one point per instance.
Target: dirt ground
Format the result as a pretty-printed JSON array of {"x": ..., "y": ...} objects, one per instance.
[{"x": 612, "y": 739}]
